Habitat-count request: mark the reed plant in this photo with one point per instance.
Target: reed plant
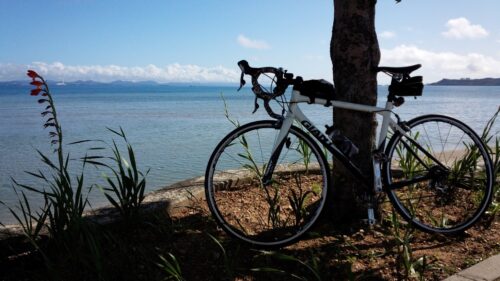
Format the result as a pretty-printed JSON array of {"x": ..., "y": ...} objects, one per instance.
[
  {"x": 272, "y": 194},
  {"x": 65, "y": 199},
  {"x": 408, "y": 162},
  {"x": 492, "y": 142},
  {"x": 298, "y": 201},
  {"x": 229, "y": 261},
  {"x": 171, "y": 267},
  {"x": 306, "y": 153},
  {"x": 31, "y": 222},
  {"x": 61, "y": 216},
  {"x": 409, "y": 267},
  {"x": 305, "y": 270},
  {"x": 126, "y": 188},
  {"x": 470, "y": 164}
]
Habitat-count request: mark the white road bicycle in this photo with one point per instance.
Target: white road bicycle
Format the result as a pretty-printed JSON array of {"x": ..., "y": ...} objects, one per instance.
[{"x": 267, "y": 181}]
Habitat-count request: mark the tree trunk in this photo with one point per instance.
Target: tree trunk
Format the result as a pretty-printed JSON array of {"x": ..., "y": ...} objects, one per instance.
[{"x": 355, "y": 53}]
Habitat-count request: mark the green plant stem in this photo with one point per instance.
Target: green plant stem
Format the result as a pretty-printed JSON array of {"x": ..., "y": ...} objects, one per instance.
[{"x": 57, "y": 126}]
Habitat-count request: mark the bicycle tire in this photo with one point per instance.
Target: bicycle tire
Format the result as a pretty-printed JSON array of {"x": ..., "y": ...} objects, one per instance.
[
  {"x": 452, "y": 195},
  {"x": 266, "y": 216}
]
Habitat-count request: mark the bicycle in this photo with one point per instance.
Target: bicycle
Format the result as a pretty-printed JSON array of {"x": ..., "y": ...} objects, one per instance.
[{"x": 267, "y": 181}]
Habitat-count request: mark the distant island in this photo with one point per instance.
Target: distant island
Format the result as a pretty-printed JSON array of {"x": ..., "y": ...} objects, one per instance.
[
  {"x": 468, "y": 82},
  {"x": 117, "y": 83},
  {"x": 135, "y": 84}
]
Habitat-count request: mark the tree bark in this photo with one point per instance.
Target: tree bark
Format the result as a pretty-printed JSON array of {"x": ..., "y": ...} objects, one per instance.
[{"x": 355, "y": 53}]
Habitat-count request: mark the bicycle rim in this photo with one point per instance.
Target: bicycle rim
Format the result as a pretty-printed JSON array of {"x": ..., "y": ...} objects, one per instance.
[
  {"x": 271, "y": 215},
  {"x": 444, "y": 185}
]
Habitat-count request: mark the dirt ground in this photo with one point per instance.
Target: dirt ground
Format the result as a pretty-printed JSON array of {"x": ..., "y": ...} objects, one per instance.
[
  {"x": 132, "y": 250},
  {"x": 359, "y": 252}
]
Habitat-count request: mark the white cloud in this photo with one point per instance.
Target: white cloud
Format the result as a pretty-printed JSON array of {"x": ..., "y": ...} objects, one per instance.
[
  {"x": 461, "y": 28},
  {"x": 106, "y": 73},
  {"x": 251, "y": 43},
  {"x": 438, "y": 65},
  {"x": 387, "y": 34}
]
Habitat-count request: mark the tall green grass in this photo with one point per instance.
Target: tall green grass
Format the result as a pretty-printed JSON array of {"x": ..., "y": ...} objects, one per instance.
[
  {"x": 304, "y": 270},
  {"x": 171, "y": 267},
  {"x": 65, "y": 198},
  {"x": 492, "y": 141},
  {"x": 126, "y": 187},
  {"x": 72, "y": 239},
  {"x": 409, "y": 267}
]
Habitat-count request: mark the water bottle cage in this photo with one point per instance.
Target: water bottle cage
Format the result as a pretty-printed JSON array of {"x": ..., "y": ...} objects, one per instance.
[{"x": 344, "y": 144}]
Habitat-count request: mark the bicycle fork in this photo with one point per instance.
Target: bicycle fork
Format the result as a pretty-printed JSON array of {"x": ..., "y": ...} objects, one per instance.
[
  {"x": 284, "y": 126},
  {"x": 271, "y": 164}
]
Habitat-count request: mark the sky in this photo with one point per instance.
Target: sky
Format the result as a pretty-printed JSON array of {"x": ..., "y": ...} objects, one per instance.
[{"x": 202, "y": 40}]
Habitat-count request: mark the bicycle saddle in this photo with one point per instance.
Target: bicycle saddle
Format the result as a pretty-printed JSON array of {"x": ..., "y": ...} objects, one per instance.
[{"x": 399, "y": 70}]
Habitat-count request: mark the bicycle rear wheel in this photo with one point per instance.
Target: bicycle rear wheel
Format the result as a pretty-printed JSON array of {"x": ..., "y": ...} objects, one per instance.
[
  {"x": 439, "y": 174},
  {"x": 266, "y": 215}
]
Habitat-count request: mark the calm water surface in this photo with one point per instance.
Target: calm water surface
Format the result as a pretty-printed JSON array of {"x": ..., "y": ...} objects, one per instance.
[{"x": 172, "y": 129}]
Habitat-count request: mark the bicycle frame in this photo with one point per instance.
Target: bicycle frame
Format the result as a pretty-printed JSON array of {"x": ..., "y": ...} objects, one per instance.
[{"x": 295, "y": 114}]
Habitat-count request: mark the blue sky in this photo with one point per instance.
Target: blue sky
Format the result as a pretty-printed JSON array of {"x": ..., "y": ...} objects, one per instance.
[{"x": 183, "y": 41}]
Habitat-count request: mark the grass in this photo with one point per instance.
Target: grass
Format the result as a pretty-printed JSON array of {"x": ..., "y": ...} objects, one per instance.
[
  {"x": 58, "y": 228},
  {"x": 492, "y": 139},
  {"x": 408, "y": 266},
  {"x": 171, "y": 267},
  {"x": 59, "y": 233},
  {"x": 309, "y": 270},
  {"x": 125, "y": 190}
]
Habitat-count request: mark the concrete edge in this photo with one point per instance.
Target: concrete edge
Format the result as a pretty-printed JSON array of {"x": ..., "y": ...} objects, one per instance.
[
  {"x": 179, "y": 194},
  {"x": 486, "y": 270}
]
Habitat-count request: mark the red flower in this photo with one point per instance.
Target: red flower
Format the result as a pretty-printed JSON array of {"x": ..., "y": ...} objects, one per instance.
[
  {"x": 36, "y": 91},
  {"x": 37, "y": 83},
  {"x": 32, "y": 74}
]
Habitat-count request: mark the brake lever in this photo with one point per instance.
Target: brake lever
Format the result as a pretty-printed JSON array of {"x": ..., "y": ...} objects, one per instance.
[
  {"x": 256, "y": 105},
  {"x": 242, "y": 81}
]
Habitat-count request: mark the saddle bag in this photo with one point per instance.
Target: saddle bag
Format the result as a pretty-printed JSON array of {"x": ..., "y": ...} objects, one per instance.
[{"x": 408, "y": 86}]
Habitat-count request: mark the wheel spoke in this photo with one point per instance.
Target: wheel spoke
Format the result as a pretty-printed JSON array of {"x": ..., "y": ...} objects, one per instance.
[
  {"x": 275, "y": 214},
  {"x": 451, "y": 193}
]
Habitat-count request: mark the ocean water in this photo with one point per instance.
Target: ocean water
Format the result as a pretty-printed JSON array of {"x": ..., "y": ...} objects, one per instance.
[{"x": 173, "y": 129}]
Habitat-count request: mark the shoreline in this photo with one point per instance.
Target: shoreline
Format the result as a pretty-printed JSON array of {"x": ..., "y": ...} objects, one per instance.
[{"x": 169, "y": 197}]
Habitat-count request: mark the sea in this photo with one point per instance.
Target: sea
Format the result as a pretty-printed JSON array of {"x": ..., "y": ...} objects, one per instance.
[{"x": 172, "y": 128}]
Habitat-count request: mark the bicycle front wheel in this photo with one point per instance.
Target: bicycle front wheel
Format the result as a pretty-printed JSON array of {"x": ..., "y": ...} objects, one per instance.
[
  {"x": 275, "y": 213},
  {"x": 438, "y": 175}
]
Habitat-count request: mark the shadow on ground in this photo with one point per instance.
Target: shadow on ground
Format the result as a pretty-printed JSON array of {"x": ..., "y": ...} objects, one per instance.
[{"x": 132, "y": 250}]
